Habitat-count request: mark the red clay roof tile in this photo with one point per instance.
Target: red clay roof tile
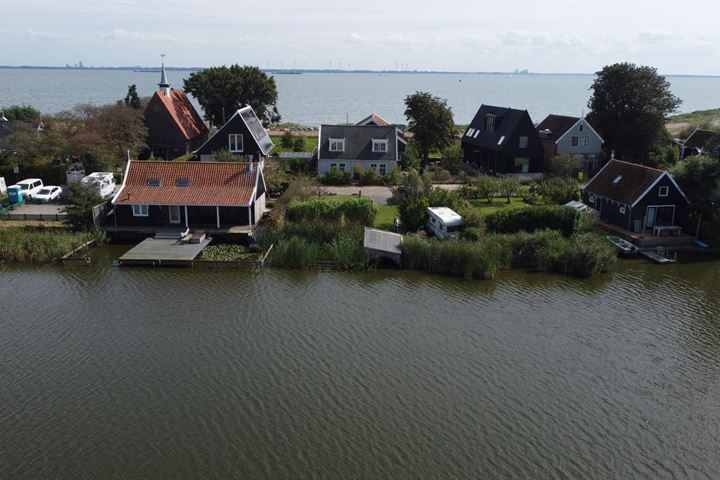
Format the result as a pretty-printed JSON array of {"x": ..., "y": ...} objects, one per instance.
[{"x": 183, "y": 113}]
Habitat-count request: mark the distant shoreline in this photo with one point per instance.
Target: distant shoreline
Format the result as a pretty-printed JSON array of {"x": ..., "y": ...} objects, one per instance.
[{"x": 285, "y": 71}]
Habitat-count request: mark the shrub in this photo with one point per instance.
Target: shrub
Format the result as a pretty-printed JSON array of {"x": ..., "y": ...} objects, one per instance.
[
  {"x": 286, "y": 141},
  {"x": 298, "y": 144},
  {"x": 294, "y": 252},
  {"x": 588, "y": 255},
  {"x": 472, "y": 234},
  {"x": 335, "y": 176},
  {"x": 440, "y": 197},
  {"x": 42, "y": 245},
  {"x": 371, "y": 177},
  {"x": 452, "y": 158},
  {"x": 529, "y": 219},
  {"x": 411, "y": 211},
  {"x": 564, "y": 165},
  {"x": 79, "y": 209},
  {"x": 440, "y": 175},
  {"x": 509, "y": 187}
]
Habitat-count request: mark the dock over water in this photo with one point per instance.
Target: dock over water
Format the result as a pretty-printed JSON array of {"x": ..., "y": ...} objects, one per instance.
[{"x": 164, "y": 252}]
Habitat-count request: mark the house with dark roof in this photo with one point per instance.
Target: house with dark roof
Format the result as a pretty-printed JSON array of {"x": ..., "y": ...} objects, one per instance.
[
  {"x": 375, "y": 147},
  {"x": 700, "y": 141},
  {"x": 174, "y": 126},
  {"x": 635, "y": 198},
  {"x": 503, "y": 141},
  {"x": 189, "y": 194},
  {"x": 564, "y": 135},
  {"x": 242, "y": 135}
]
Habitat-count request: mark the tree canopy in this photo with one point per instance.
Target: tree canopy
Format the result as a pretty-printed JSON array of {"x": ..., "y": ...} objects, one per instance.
[
  {"x": 222, "y": 90},
  {"x": 431, "y": 122},
  {"x": 629, "y": 106},
  {"x": 132, "y": 99},
  {"x": 23, "y": 113}
]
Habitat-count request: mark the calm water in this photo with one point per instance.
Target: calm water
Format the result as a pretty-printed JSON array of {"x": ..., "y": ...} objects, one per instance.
[
  {"x": 311, "y": 99},
  {"x": 140, "y": 373}
]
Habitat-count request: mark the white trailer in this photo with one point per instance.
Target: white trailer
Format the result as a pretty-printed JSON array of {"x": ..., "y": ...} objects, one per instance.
[
  {"x": 101, "y": 182},
  {"x": 443, "y": 222}
]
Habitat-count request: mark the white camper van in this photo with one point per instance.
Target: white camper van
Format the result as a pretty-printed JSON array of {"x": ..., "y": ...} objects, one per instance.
[
  {"x": 443, "y": 222},
  {"x": 102, "y": 182}
]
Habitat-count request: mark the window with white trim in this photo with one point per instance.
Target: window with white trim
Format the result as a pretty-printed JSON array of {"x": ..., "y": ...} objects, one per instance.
[
  {"x": 622, "y": 209},
  {"x": 574, "y": 141},
  {"x": 140, "y": 210},
  {"x": 379, "y": 146},
  {"x": 373, "y": 167},
  {"x": 333, "y": 165},
  {"x": 523, "y": 143},
  {"x": 585, "y": 141},
  {"x": 235, "y": 142},
  {"x": 341, "y": 167},
  {"x": 664, "y": 191},
  {"x": 337, "y": 144},
  {"x": 383, "y": 169},
  {"x": 490, "y": 123}
]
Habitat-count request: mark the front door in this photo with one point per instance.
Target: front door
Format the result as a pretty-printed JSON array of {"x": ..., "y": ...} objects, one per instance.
[
  {"x": 660, "y": 215},
  {"x": 174, "y": 214}
]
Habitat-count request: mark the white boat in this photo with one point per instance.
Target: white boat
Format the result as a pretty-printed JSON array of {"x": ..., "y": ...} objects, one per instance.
[{"x": 624, "y": 247}]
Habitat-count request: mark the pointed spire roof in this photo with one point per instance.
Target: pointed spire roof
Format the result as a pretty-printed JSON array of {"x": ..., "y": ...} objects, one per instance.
[{"x": 163, "y": 77}]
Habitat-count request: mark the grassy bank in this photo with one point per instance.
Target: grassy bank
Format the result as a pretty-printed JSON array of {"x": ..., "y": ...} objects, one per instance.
[
  {"x": 40, "y": 245},
  {"x": 684, "y": 122}
]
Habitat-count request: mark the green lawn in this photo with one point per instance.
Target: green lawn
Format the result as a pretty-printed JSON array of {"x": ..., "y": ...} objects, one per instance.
[
  {"x": 496, "y": 204},
  {"x": 310, "y": 144}
]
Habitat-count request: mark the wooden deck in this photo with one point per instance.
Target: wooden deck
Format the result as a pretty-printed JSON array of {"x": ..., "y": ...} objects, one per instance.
[
  {"x": 646, "y": 239},
  {"x": 163, "y": 251}
]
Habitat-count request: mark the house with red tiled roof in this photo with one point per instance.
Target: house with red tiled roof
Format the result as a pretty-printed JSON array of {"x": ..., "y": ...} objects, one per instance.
[
  {"x": 210, "y": 195},
  {"x": 174, "y": 126},
  {"x": 373, "y": 120},
  {"x": 635, "y": 197}
]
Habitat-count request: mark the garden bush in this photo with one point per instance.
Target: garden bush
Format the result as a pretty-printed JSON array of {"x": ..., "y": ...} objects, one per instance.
[
  {"x": 335, "y": 176},
  {"x": 359, "y": 210},
  {"x": 559, "y": 190}
]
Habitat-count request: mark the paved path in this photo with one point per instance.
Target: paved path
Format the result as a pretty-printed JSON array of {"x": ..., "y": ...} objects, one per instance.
[
  {"x": 37, "y": 212},
  {"x": 379, "y": 194}
]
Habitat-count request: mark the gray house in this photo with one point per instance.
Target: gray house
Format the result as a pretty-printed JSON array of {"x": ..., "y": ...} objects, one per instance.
[
  {"x": 561, "y": 134},
  {"x": 374, "y": 147}
]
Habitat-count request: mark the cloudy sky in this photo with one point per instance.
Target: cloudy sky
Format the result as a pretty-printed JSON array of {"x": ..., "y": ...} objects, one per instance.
[{"x": 461, "y": 35}]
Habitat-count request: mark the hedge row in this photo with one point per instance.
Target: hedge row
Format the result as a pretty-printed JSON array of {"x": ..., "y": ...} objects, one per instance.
[
  {"x": 360, "y": 210},
  {"x": 530, "y": 219},
  {"x": 49, "y": 174}
]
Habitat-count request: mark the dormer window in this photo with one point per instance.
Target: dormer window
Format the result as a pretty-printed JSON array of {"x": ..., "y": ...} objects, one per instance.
[
  {"x": 617, "y": 179},
  {"x": 235, "y": 142},
  {"x": 379, "y": 146},
  {"x": 337, "y": 144},
  {"x": 663, "y": 191},
  {"x": 153, "y": 182}
]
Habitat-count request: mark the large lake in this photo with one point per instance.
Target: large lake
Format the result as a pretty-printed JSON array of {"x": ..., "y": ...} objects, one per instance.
[
  {"x": 192, "y": 373},
  {"x": 315, "y": 98}
]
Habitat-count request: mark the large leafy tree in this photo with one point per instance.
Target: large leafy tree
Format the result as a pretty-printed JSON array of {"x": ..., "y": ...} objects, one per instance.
[
  {"x": 223, "y": 90},
  {"x": 431, "y": 122},
  {"x": 629, "y": 106},
  {"x": 412, "y": 199},
  {"x": 699, "y": 177}
]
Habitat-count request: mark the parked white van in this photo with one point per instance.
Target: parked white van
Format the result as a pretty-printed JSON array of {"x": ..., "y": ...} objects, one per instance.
[
  {"x": 101, "y": 182},
  {"x": 29, "y": 187},
  {"x": 443, "y": 222}
]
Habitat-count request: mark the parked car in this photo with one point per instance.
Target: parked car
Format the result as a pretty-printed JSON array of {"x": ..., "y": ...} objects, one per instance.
[
  {"x": 443, "y": 222},
  {"x": 48, "y": 193},
  {"x": 29, "y": 187},
  {"x": 102, "y": 183}
]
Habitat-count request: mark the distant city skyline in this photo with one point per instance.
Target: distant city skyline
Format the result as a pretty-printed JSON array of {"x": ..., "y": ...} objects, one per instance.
[{"x": 557, "y": 36}]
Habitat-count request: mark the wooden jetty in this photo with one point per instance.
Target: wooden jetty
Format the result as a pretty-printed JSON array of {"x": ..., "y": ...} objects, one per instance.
[{"x": 165, "y": 251}]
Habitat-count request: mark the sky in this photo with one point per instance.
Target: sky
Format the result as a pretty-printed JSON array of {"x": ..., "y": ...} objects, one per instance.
[{"x": 579, "y": 36}]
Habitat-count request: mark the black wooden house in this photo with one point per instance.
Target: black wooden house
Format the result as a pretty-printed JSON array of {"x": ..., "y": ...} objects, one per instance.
[{"x": 243, "y": 135}]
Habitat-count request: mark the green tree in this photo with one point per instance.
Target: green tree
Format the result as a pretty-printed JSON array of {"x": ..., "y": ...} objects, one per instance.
[
  {"x": 629, "y": 105},
  {"x": 509, "y": 187},
  {"x": 487, "y": 187},
  {"x": 699, "y": 177},
  {"x": 286, "y": 141},
  {"x": 452, "y": 158},
  {"x": 298, "y": 144},
  {"x": 563, "y": 165},
  {"x": 223, "y": 90},
  {"x": 79, "y": 209},
  {"x": 412, "y": 199},
  {"x": 132, "y": 99},
  {"x": 410, "y": 157},
  {"x": 431, "y": 122}
]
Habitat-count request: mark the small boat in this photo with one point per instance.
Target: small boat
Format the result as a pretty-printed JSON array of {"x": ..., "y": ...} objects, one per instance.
[{"x": 624, "y": 247}]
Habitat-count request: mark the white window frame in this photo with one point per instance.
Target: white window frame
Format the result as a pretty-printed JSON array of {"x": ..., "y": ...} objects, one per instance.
[
  {"x": 523, "y": 142},
  {"x": 141, "y": 210},
  {"x": 378, "y": 142},
  {"x": 333, "y": 165},
  {"x": 382, "y": 169},
  {"x": 622, "y": 209},
  {"x": 664, "y": 188},
  {"x": 490, "y": 122},
  {"x": 373, "y": 167},
  {"x": 585, "y": 141},
  {"x": 233, "y": 142},
  {"x": 336, "y": 144},
  {"x": 342, "y": 166}
]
